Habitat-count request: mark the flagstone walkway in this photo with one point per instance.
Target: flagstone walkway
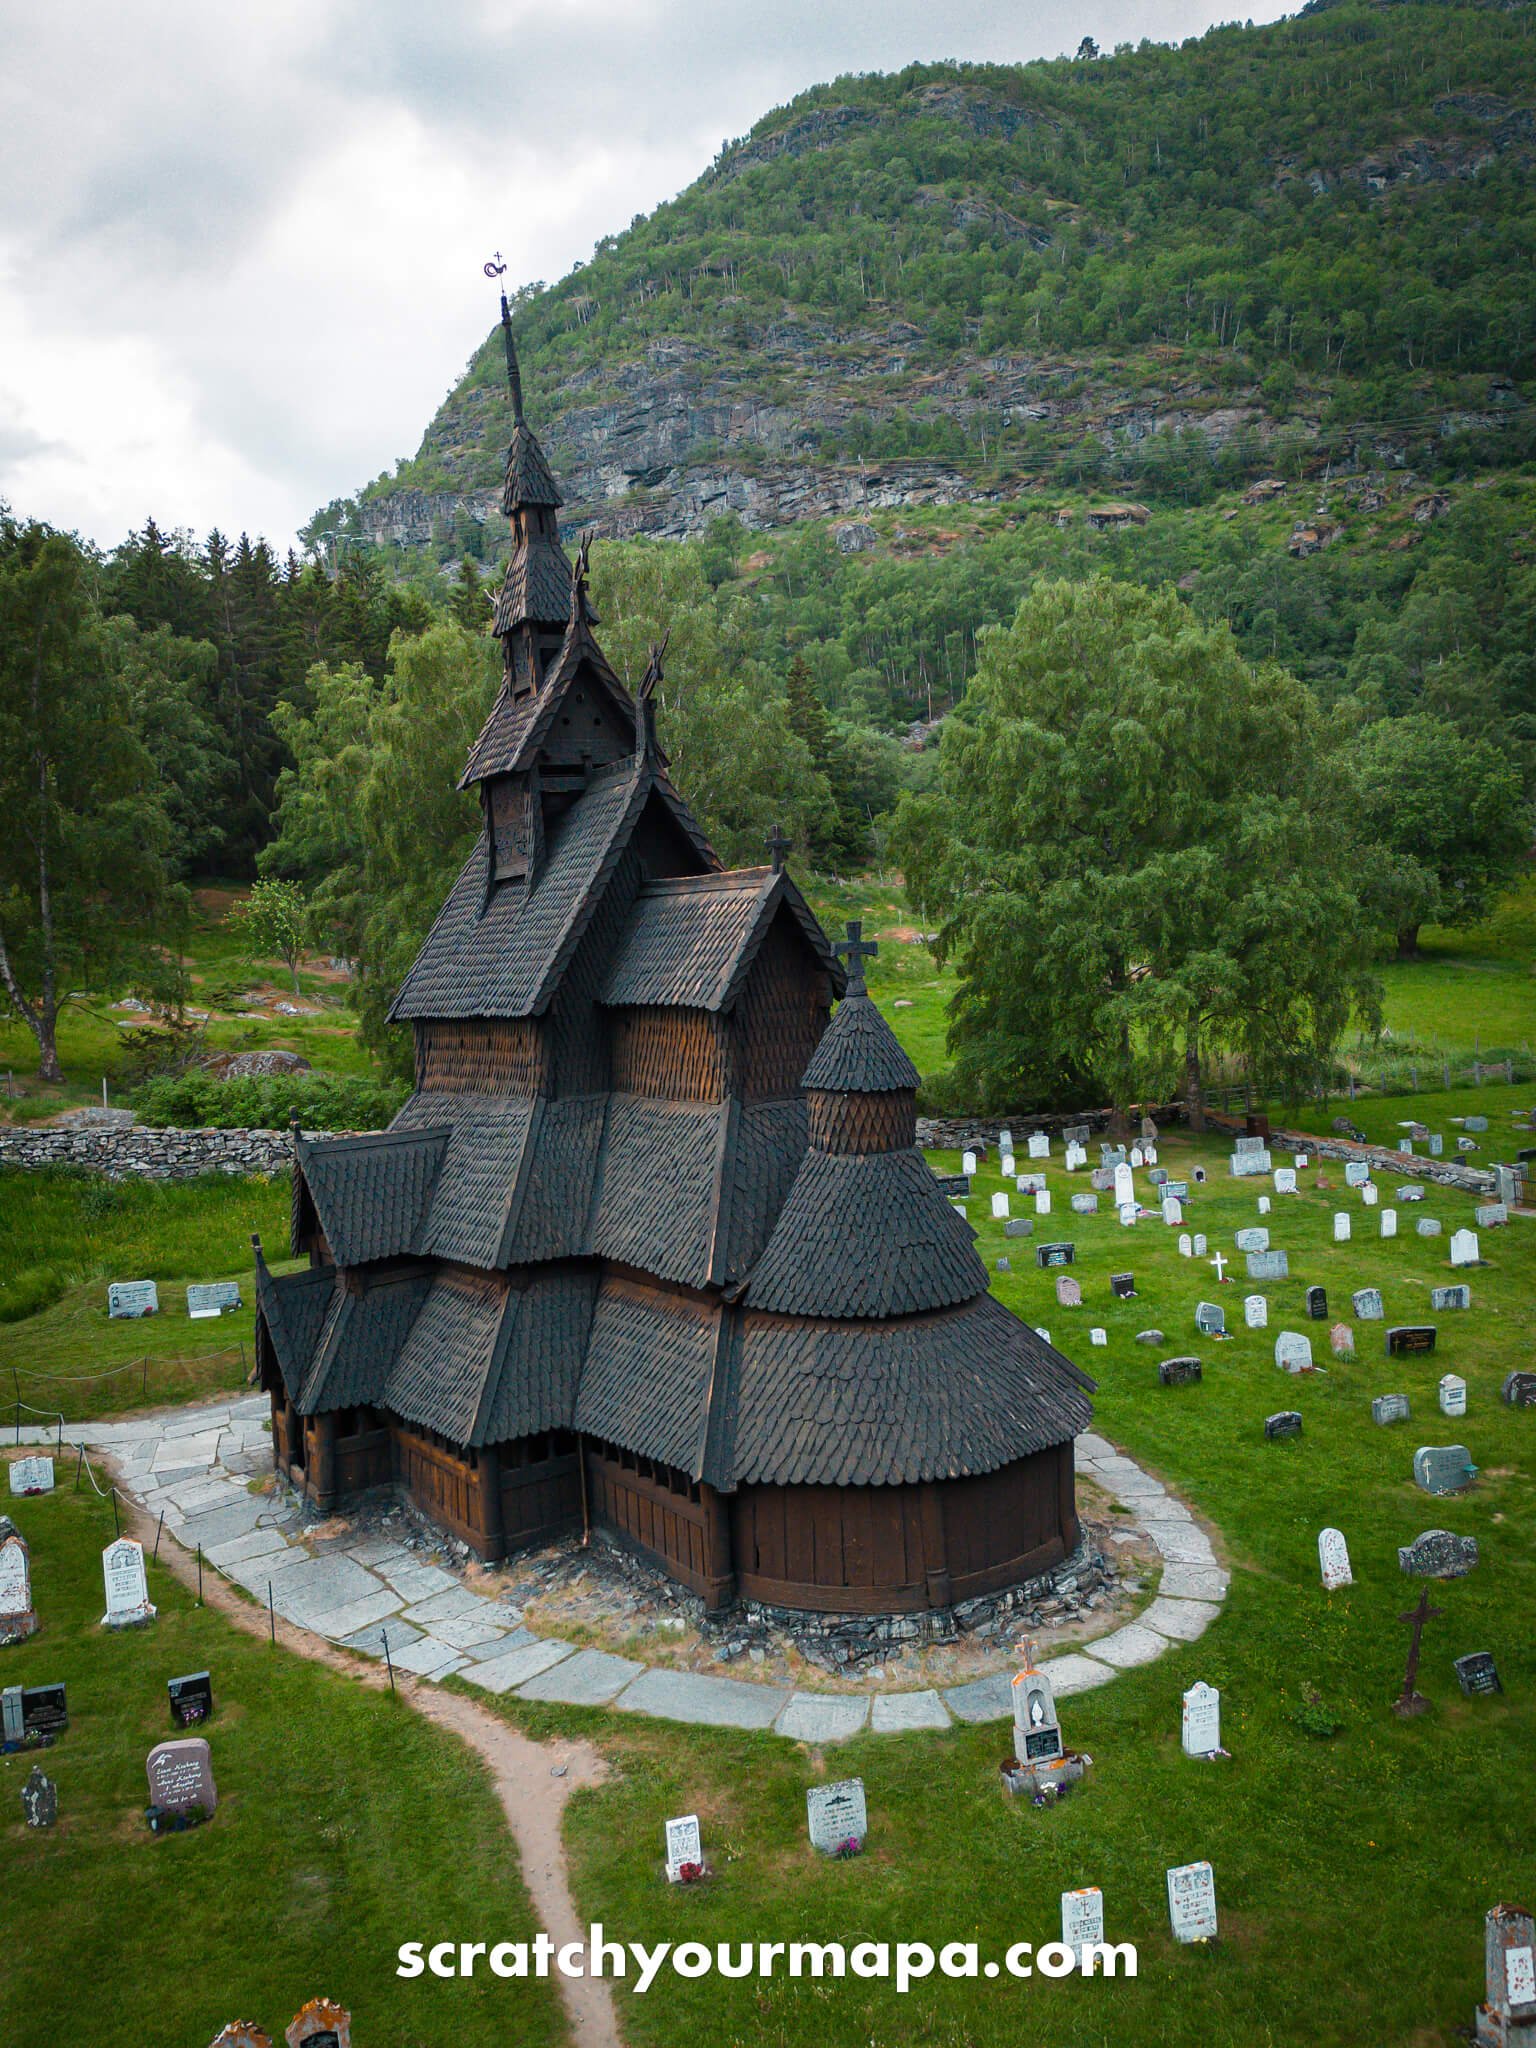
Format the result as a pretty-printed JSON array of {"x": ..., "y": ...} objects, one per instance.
[{"x": 193, "y": 1466}]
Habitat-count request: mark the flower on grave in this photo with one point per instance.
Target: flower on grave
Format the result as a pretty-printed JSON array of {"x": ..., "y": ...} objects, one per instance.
[
  {"x": 852, "y": 1847},
  {"x": 689, "y": 1873}
]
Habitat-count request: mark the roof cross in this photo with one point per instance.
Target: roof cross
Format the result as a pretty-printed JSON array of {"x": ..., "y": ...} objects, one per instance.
[
  {"x": 778, "y": 847},
  {"x": 855, "y": 949}
]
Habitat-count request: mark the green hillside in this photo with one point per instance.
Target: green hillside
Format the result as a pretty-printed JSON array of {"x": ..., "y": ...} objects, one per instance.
[{"x": 1168, "y": 270}]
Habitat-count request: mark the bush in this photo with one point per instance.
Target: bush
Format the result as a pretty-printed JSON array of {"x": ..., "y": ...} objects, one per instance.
[{"x": 266, "y": 1102}]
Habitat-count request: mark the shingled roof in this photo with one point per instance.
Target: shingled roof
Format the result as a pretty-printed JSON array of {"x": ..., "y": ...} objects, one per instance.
[
  {"x": 371, "y": 1193},
  {"x": 363, "y": 1331},
  {"x": 294, "y": 1308},
  {"x": 859, "y": 1053},
  {"x": 647, "y": 1374},
  {"x": 527, "y": 478},
  {"x": 517, "y": 727},
  {"x": 692, "y": 939}
]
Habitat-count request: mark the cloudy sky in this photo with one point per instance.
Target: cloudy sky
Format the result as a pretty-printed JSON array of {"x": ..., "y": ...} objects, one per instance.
[{"x": 240, "y": 245}]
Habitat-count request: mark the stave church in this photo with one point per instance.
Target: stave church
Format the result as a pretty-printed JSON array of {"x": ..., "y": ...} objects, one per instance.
[{"x": 650, "y": 1250}]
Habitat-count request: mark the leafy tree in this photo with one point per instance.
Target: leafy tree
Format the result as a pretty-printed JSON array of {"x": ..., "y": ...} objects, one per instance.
[
  {"x": 84, "y": 857},
  {"x": 1449, "y": 819},
  {"x": 846, "y": 837},
  {"x": 275, "y": 918},
  {"x": 1139, "y": 853}
]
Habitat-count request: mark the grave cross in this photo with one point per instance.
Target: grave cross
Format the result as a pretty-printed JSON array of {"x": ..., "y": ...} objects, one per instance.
[
  {"x": 1219, "y": 1262},
  {"x": 1410, "y": 1701},
  {"x": 778, "y": 847},
  {"x": 855, "y": 949}
]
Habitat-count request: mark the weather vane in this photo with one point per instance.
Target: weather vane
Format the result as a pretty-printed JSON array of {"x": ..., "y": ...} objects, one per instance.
[
  {"x": 496, "y": 268},
  {"x": 496, "y": 271}
]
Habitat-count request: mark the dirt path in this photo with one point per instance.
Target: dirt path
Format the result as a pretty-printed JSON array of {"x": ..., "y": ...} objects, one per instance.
[{"x": 532, "y": 1797}]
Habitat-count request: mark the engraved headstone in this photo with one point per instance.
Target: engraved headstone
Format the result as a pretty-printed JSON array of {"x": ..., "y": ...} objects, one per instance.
[
  {"x": 1285, "y": 1181},
  {"x": 1489, "y": 1215},
  {"x": 1387, "y": 1408},
  {"x": 1128, "y": 1213},
  {"x": 1507, "y": 2017},
  {"x": 1389, "y": 1223},
  {"x": 1192, "y": 1902},
  {"x": 215, "y": 1298},
  {"x": 968, "y": 1162},
  {"x": 1097, "y": 1335},
  {"x": 1293, "y": 1351},
  {"x": 1176, "y": 1190},
  {"x": 1341, "y": 1226},
  {"x": 1444, "y": 1468},
  {"x": 1122, "y": 1286},
  {"x": 180, "y": 1775},
  {"x": 1042, "y": 1201},
  {"x": 1286, "y": 1423},
  {"x": 1200, "y": 1726},
  {"x": 836, "y": 1814},
  {"x": 1464, "y": 1248},
  {"x": 1477, "y": 1673},
  {"x": 1000, "y": 1207},
  {"x": 1210, "y": 1319},
  {"x": 1019, "y": 1226},
  {"x": 1102, "y": 1180},
  {"x": 1356, "y": 1172},
  {"x": 1411, "y": 1340},
  {"x": 1186, "y": 1246},
  {"x": 1085, "y": 1205},
  {"x": 1048, "y": 1255},
  {"x": 1125, "y": 1185},
  {"x": 1341, "y": 1341},
  {"x": 1137, "y": 1157},
  {"x": 1255, "y": 1311},
  {"x": 1268, "y": 1265},
  {"x": 1428, "y": 1226},
  {"x": 1453, "y": 1395},
  {"x": 191, "y": 1698},
  {"x": 133, "y": 1298},
  {"x": 1076, "y": 1157},
  {"x": 1036, "y": 1723},
  {"x": 1069, "y": 1292},
  {"x": 1368, "y": 1194},
  {"x": 1200, "y": 1244},
  {"x": 684, "y": 1847},
  {"x": 32, "y": 1475},
  {"x": 128, "y": 1602},
  {"x": 1039, "y": 1145},
  {"x": 1263, "y": 1205},
  {"x": 1077, "y": 1134},
  {"x": 1179, "y": 1372},
  {"x": 1438, "y": 1554},
  {"x": 1519, "y": 1390},
  {"x": 1254, "y": 1239},
  {"x": 1366, "y": 1302},
  {"x": 1459, "y": 1295},
  {"x": 1082, "y": 1922},
  {"x": 320, "y": 2024},
  {"x": 1333, "y": 1560},
  {"x": 1245, "y": 1163},
  {"x": 1317, "y": 1304},
  {"x": 1173, "y": 1212},
  {"x": 17, "y": 1619}
]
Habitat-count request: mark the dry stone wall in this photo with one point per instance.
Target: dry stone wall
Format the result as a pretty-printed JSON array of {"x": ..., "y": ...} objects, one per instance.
[{"x": 135, "y": 1153}]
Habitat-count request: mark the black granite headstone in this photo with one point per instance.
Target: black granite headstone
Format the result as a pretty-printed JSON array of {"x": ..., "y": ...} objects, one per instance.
[
  {"x": 1055, "y": 1254},
  {"x": 1286, "y": 1423},
  {"x": 1478, "y": 1673},
  {"x": 1408, "y": 1340},
  {"x": 1122, "y": 1286},
  {"x": 191, "y": 1698},
  {"x": 1317, "y": 1304},
  {"x": 1178, "y": 1372}
]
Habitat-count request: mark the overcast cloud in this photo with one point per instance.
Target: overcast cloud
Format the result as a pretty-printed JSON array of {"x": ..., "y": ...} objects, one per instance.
[{"x": 240, "y": 246}]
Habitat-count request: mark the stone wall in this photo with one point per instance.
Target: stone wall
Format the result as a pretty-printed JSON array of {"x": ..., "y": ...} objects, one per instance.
[{"x": 134, "y": 1153}]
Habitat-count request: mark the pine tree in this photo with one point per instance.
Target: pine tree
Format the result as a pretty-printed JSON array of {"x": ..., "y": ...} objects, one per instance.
[{"x": 846, "y": 836}]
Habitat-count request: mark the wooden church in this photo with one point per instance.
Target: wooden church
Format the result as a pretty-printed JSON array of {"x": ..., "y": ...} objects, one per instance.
[{"x": 651, "y": 1250}]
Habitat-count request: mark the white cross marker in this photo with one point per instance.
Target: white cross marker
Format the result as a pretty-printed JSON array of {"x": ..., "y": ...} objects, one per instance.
[{"x": 1219, "y": 1262}]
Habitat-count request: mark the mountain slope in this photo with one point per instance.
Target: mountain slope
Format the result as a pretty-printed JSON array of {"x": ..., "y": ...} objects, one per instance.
[{"x": 1164, "y": 270}]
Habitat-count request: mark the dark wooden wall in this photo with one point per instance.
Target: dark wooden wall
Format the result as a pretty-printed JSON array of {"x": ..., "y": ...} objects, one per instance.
[
  {"x": 861, "y": 1123},
  {"x": 675, "y": 1054},
  {"x": 481, "y": 1055},
  {"x": 650, "y": 1508}
]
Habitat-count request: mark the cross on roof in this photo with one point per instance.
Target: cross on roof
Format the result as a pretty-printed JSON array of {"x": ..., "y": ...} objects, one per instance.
[
  {"x": 855, "y": 949},
  {"x": 778, "y": 847}
]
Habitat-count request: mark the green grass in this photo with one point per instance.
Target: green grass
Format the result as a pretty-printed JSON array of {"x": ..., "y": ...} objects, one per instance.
[
  {"x": 345, "y": 1825},
  {"x": 1380, "y": 1115},
  {"x": 1472, "y": 987},
  {"x": 912, "y": 991},
  {"x": 1352, "y": 1874},
  {"x": 64, "y": 1236}
]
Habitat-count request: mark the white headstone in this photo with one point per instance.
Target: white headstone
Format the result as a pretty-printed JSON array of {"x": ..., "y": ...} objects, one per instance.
[
  {"x": 1341, "y": 1226},
  {"x": 122, "y": 1568},
  {"x": 836, "y": 1813},
  {"x": 1201, "y": 1720},
  {"x": 1098, "y": 1336},
  {"x": 967, "y": 1162},
  {"x": 1039, "y": 1145},
  {"x": 1356, "y": 1172},
  {"x": 1285, "y": 1181},
  {"x": 1293, "y": 1352},
  {"x": 1005, "y": 1140},
  {"x": 1263, "y": 1205},
  {"x": 683, "y": 1845},
  {"x": 133, "y": 1298},
  {"x": 1138, "y": 1158},
  {"x": 1173, "y": 1210},
  {"x": 1389, "y": 1223},
  {"x": 1125, "y": 1184},
  {"x": 1333, "y": 1558},
  {"x": 1036, "y": 1723},
  {"x": 1076, "y": 1157},
  {"x": 1464, "y": 1248},
  {"x": 1253, "y": 1239},
  {"x": 1042, "y": 1201},
  {"x": 1301, "y": 1158},
  {"x": 1149, "y": 1154},
  {"x": 1127, "y": 1212},
  {"x": 15, "y": 1577},
  {"x": 32, "y": 1475},
  {"x": 1255, "y": 1311},
  {"x": 1200, "y": 1244},
  {"x": 1187, "y": 1246},
  {"x": 999, "y": 1206},
  {"x": 1192, "y": 1902},
  {"x": 1082, "y": 1921},
  {"x": 1369, "y": 1194},
  {"x": 1453, "y": 1395},
  {"x": 1007, "y": 1166}
]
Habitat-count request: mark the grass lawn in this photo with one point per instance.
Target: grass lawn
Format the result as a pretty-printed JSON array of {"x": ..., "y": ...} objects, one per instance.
[
  {"x": 64, "y": 1236},
  {"x": 1352, "y": 1871},
  {"x": 1472, "y": 989},
  {"x": 1379, "y": 1116},
  {"x": 346, "y": 1824}
]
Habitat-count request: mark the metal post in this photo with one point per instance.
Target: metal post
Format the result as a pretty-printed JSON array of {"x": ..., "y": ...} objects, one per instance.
[
  {"x": 78, "y": 1463},
  {"x": 271, "y": 1615},
  {"x": 389, "y": 1661},
  {"x": 158, "y": 1527},
  {"x": 199, "y": 1575},
  {"x": 116, "y": 1522}
]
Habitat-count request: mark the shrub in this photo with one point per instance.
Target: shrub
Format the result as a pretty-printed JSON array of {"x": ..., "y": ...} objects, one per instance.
[{"x": 322, "y": 1102}]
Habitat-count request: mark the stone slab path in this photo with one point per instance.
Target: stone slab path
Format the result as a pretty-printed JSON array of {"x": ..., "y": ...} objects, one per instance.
[{"x": 193, "y": 1466}]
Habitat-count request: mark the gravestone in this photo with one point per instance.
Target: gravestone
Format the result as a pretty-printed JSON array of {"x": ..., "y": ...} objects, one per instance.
[
  {"x": 1356, "y": 1172},
  {"x": 320, "y": 2024},
  {"x": 128, "y": 1601},
  {"x": 1122, "y": 1286},
  {"x": 1333, "y": 1559},
  {"x": 1036, "y": 1723},
  {"x": 191, "y": 1698},
  {"x": 1340, "y": 1226},
  {"x": 1007, "y": 1166},
  {"x": 1200, "y": 1244},
  {"x": 1268, "y": 1265},
  {"x": 1200, "y": 1721},
  {"x": 1438, "y": 1554},
  {"x": 1179, "y": 1372},
  {"x": 1286, "y": 1423},
  {"x": 1255, "y": 1311},
  {"x": 1004, "y": 1265},
  {"x": 1042, "y": 1201},
  {"x": 1507, "y": 2016},
  {"x": 836, "y": 1814},
  {"x": 1489, "y": 1215},
  {"x": 954, "y": 1184},
  {"x": 32, "y": 1475},
  {"x": 39, "y": 1799},
  {"x": 1471, "y": 1123},
  {"x": 1263, "y": 1205},
  {"x": 133, "y": 1298},
  {"x": 1111, "y": 1155},
  {"x": 1198, "y": 1176},
  {"x": 1507, "y": 1186},
  {"x": 1158, "y": 1176},
  {"x": 1019, "y": 1226},
  {"x": 1138, "y": 1158},
  {"x": 1389, "y": 1408},
  {"x": 1039, "y": 1145},
  {"x": 1444, "y": 1468},
  {"x": 1029, "y": 1183},
  {"x": 241, "y": 2034},
  {"x": 1411, "y": 1340},
  {"x": 180, "y": 1775},
  {"x": 1077, "y": 1134},
  {"x": 1210, "y": 1319},
  {"x": 1253, "y": 1239},
  {"x": 1048, "y": 1255},
  {"x": 1149, "y": 1337},
  {"x": 1301, "y": 1159},
  {"x": 1436, "y": 1144},
  {"x": 216, "y": 1298},
  {"x": 1085, "y": 1205},
  {"x": 17, "y": 1620},
  {"x": 1366, "y": 1302},
  {"x": 1102, "y": 1179},
  {"x": 1069, "y": 1292},
  {"x": 1477, "y": 1673},
  {"x": 1410, "y": 1194},
  {"x": 1000, "y": 1208},
  {"x": 968, "y": 1162},
  {"x": 684, "y": 1847},
  {"x": 1285, "y": 1180},
  {"x": 1389, "y": 1223},
  {"x": 1176, "y": 1190},
  {"x": 1317, "y": 1304},
  {"x": 1082, "y": 1922},
  {"x": 1428, "y": 1226},
  {"x": 1005, "y": 1140},
  {"x": 1192, "y": 1902},
  {"x": 1129, "y": 1214},
  {"x": 1076, "y": 1157},
  {"x": 1518, "y": 1390},
  {"x": 1254, "y": 1160},
  {"x": 1125, "y": 1185},
  {"x": 1453, "y": 1395},
  {"x": 1186, "y": 1246},
  {"x": 1368, "y": 1194},
  {"x": 1173, "y": 1212},
  {"x": 1293, "y": 1351},
  {"x": 1464, "y": 1248},
  {"x": 1097, "y": 1335}
]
